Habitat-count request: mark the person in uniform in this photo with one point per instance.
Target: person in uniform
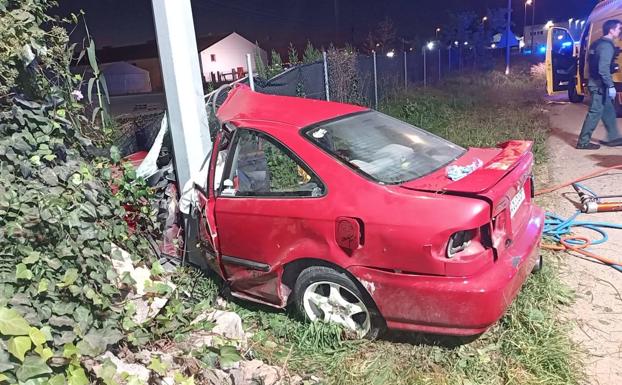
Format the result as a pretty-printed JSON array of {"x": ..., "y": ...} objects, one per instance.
[{"x": 602, "y": 63}]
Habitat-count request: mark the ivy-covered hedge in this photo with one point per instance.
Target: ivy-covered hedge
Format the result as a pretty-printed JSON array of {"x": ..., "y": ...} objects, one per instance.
[{"x": 59, "y": 295}]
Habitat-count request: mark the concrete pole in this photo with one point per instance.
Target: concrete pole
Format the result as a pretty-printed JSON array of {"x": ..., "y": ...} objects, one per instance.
[
  {"x": 375, "y": 82},
  {"x": 251, "y": 76},
  {"x": 507, "y": 39},
  {"x": 183, "y": 86},
  {"x": 326, "y": 76}
]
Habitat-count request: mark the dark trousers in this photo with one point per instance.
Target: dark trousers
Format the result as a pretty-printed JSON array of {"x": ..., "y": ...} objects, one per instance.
[{"x": 600, "y": 108}]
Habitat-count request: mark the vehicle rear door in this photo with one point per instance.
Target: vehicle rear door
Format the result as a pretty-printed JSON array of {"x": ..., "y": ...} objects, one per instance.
[{"x": 560, "y": 63}]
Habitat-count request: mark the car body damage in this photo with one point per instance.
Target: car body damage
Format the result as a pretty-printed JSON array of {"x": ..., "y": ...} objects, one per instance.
[{"x": 295, "y": 183}]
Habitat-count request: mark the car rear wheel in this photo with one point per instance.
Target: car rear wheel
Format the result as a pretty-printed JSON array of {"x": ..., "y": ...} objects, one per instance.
[{"x": 323, "y": 294}]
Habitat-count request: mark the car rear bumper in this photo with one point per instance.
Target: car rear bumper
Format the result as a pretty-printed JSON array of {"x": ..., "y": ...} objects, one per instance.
[{"x": 455, "y": 305}]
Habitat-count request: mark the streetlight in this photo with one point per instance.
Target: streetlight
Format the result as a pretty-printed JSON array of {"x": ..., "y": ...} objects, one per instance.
[
  {"x": 437, "y": 31},
  {"x": 528, "y": 2},
  {"x": 533, "y": 20},
  {"x": 570, "y": 23},
  {"x": 549, "y": 24},
  {"x": 484, "y": 19},
  {"x": 390, "y": 54}
]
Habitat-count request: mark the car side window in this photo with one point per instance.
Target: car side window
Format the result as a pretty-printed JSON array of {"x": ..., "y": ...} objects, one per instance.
[{"x": 261, "y": 166}]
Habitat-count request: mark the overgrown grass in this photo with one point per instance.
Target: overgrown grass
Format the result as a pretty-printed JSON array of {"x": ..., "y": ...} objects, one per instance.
[{"x": 477, "y": 111}]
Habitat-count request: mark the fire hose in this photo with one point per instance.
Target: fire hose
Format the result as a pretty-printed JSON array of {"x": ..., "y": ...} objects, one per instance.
[{"x": 559, "y": 229}]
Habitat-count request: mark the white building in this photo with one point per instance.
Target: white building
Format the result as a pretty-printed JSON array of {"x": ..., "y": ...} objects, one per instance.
[
  {"x": 535, "y": 35},
  {"x": 225, "y": 60}
]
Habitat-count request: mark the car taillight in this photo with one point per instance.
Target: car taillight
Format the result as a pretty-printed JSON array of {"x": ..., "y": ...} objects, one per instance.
[{"x": 459, "y": 242}]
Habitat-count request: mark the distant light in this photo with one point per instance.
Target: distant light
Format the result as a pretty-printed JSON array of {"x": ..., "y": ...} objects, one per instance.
[
  {"x": 576, "y": 22},
  {"x": 571, "y": 19},
  {"x": 484, "y": 18},
  {"x": 527, "y": 52},
  {"x": 560, "y": 37},
  {"x": 582, "y": 23},
  {"x": 493, "y": 45},
  {"x": 438, "y": 30},
  {"x": 466, "y": 43},
  {"x": 430, "y": 45},
  {"x": 377, "y": 44},
  {"x": 456, "y": 42},
  {"x": 411, "y": 48},
  {"x": 521, "y": 43},
  {"x": 390, "y": 54},
  {"x": 566, "y": 44},
  {"x": 529, "y": 2},
  {"x": 542, "y": 49}
]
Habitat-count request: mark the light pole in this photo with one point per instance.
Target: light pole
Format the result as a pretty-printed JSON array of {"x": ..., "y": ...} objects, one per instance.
[
  {"x": 507, "y": 39},
  {"x": 533, "y": 20},
  {"x": 528, "y": 2},
  {"x": 437, "y": 31},
  {"x": 429, "y": 46}
]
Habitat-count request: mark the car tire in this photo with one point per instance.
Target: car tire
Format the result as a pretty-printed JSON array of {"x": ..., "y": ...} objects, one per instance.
[
  {"x": 324, "y": 294},
  {"x": 573, "y": 96},
  {"x": 538, "y": 266}
]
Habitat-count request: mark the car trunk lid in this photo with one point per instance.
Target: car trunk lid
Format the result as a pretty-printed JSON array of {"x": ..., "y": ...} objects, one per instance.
[{"x": 503, "y": 180}]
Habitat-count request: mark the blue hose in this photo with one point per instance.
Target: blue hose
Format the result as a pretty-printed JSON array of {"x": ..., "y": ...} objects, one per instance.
[{"x": 556, "y": 228}]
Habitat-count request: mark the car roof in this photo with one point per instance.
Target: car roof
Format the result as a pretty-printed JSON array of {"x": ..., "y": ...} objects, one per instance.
[{"x": 244, "y": 104}]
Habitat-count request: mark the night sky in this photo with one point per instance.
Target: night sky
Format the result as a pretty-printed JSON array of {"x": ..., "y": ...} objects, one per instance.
[{"x": 274, "y": 23}]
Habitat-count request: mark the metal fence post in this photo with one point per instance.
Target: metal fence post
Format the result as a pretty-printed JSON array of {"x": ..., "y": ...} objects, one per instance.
[
  {"x": 251, "y": 77},
  {"x": 375, "y": 82},
  {"x": 405, "y": 72},
  {"x": 326, "y": 76},
  {"x": 439, "y": 62},
  {"x": 425, "y": 69}
]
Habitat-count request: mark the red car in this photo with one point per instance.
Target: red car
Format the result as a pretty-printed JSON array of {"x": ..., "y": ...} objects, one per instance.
[{"x": 350, "y": 216}]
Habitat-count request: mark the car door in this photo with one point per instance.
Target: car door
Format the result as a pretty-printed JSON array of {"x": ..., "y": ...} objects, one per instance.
[
  {"x": 561, "y": 62},
  {"x": 269, "y": 203}
]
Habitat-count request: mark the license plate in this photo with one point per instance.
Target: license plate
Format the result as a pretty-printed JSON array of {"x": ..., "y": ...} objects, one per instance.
[{"x": 518, "y": 199}]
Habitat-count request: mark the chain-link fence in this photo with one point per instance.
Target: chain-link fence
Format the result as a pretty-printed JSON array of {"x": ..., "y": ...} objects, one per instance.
[{"x": 372, "y": 79}]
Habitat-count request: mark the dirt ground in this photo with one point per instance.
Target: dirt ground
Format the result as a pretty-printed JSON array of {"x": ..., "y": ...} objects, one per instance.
[{"x": 597, "y": 313}]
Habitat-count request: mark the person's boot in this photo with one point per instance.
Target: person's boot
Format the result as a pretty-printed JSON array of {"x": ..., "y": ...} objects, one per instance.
[
  {"x": 612, "y": 143},
  {"x": 588, "y": 146}
]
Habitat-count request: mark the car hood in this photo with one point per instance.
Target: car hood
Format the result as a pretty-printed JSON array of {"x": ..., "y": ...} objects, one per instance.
[{"x": 495, "y": 164}]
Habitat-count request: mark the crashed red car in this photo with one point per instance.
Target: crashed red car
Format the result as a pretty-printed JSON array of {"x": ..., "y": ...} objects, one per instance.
[{"x": 350, "y": 216}]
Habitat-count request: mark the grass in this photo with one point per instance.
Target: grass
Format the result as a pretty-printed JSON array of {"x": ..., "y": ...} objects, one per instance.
[{"x": 528, "y": 346}]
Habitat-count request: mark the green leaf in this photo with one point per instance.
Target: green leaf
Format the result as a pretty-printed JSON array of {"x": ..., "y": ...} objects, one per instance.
[
  {"x": 157, "y": 269},
  {"x": 43, "y": 285},
  {"x": 90, "y": 89},
  {"x": 36, "y": 336},
  {"x": 44, "y": 352},
  {"x": 228, "y": 356},
  {"x": 32, "y": 258},
  {"x": 58, "y": 379},
  {"x": 76, "y": 376},
  {"x": 12, "y": 324},
  {"x": 22, "y": 272},
  {"x": 115, "y": 154},
  {"x": 18, "y": 346},
  {"x": 90, "y": 50},
  {"x": 157, "y": 366},
  {"x": 3, "y": 378},
  {"x": 71, "y": 275},
  {"x": 32, "y": 367},
  {"x": 5, "y": 361},
  {"x": 70, "y": 350}
]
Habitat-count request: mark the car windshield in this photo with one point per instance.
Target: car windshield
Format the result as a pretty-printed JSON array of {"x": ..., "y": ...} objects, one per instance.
[{"x": 383, "y": 148}]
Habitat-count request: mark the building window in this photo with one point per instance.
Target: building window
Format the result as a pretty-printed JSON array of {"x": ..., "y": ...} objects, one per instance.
[{"x": 212, "y": 57}]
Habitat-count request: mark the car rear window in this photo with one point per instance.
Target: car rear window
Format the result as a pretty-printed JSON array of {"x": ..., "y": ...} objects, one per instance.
[{"x": 383, "y": 148}]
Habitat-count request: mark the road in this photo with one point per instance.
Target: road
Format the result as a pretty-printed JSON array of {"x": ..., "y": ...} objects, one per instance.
[{"x": 597, "y": 313}]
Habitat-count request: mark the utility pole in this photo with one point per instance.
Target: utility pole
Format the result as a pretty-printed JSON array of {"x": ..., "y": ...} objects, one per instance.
[
  {"x": 533, "y": 22},
  {"x": 425, "y": 77},
  {"x": 439, "y": 62},
  {"x": 507, "y": 39},
  {"x": 185, "y": 104},
  {"x": 183, "y": 85}
]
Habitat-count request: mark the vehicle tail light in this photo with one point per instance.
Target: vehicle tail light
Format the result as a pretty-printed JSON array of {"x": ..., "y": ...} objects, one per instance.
[{"x": 459, "y": 242}]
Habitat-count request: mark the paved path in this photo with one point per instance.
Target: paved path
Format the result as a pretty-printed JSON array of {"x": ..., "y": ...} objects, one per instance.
[{"x": 597, "y": 313}]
